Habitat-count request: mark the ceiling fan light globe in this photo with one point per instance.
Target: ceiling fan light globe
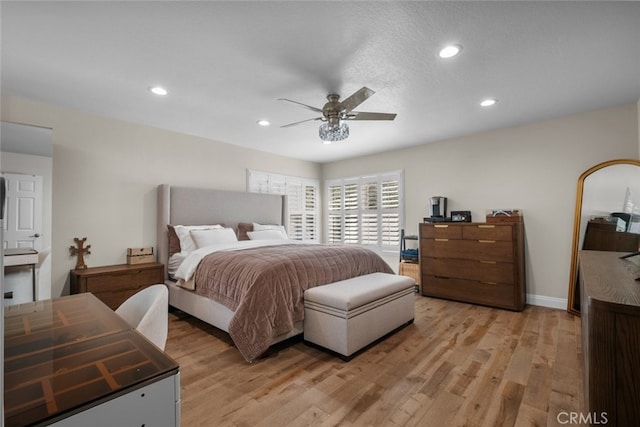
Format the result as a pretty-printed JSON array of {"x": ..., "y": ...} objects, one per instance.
[{"x": 332, "y": 132}]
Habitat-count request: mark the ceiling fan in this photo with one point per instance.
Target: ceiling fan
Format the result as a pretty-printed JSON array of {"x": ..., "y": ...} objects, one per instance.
[{"x": 335, "y": 112}]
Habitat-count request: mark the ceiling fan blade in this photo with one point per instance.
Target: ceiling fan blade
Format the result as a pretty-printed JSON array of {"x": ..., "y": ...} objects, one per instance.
[
  {"x": 355, "y": 115},
  {"x": 301, "y": 121},
  {"x": 309, "y": 107},
  {"x": 356, "y": 99}
]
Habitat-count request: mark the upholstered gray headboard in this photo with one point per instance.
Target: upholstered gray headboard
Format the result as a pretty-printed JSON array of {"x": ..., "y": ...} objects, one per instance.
[{"x": 198, "y": 206}]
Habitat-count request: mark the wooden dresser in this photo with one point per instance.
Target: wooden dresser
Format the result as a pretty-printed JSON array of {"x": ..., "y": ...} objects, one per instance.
[
  {"x": 603, "y": 236},
  {"x": 478, "y": 263},
  {"x": 113, "y": 284},
  {"x": 610, "y": 315}
]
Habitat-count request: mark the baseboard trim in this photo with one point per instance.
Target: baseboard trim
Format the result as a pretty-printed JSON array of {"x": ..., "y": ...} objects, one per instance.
[{"x": 544, "y": 301}]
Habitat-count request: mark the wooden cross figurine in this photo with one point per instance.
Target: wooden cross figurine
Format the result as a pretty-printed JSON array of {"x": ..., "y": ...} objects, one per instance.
[{"x": 80, "y": 250}]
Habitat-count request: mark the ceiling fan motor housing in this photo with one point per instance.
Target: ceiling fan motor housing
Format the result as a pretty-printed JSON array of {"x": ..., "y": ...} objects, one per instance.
[{"x": 333, "y": 110}]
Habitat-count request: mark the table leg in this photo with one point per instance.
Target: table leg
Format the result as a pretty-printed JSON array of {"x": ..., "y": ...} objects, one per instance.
[{"x": 33, "y": 280}]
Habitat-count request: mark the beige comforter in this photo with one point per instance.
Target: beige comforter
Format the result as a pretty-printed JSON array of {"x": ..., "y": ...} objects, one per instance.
[{"x": 265, "y": 286}]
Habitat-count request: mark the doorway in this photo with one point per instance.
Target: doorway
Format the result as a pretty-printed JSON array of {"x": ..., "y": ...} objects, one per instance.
[{"x": 23, "y": 222}]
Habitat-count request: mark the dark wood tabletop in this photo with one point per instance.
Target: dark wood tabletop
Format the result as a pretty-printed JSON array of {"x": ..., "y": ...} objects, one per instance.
[{"x": 67, "y": 354}]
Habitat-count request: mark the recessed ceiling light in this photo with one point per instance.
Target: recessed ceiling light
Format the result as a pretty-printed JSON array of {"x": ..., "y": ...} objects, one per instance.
[
  {"x": 158, "y": 90},
  {"x": 263, "y": 122},
  {"x": 450, "y": 51},
  {"x": 488, "y": 102}
]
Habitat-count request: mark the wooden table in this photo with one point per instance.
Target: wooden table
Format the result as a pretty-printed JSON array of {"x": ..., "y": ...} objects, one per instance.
[{"x": 72, "y": 360}]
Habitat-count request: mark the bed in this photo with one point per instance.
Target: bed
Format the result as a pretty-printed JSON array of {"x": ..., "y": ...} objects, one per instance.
[{"x": 277, "y": 273}]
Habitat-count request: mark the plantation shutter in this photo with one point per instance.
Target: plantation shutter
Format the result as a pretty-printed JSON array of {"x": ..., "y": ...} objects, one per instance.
[
  {"x": 366, "y": 210},
  {"x": 390, "y": 210},
  {"x": 302, "y": 200},
  {"x": 334, "y": 216},
  {"x": 369, "y": 211},
  {"x": 351, "y": 214}
]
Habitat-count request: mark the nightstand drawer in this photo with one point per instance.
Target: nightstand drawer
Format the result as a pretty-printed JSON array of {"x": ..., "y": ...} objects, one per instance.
[
  {"x": 113, "y": 284},
  {"x": 113, "y": 298},
  {"x": 121, "y": 280}
]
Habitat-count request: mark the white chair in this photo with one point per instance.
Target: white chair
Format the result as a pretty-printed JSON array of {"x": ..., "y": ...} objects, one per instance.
[{"x": 147, "y": 312}]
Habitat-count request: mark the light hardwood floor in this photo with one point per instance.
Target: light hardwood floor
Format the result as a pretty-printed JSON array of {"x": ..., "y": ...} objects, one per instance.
[{"x": 456, "y": 365}]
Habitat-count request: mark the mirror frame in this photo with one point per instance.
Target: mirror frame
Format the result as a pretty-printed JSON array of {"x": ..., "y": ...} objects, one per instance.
[{"x": 573, "y": 306}]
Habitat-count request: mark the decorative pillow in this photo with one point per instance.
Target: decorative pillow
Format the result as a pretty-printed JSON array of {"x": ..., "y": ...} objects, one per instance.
[
  {"x": 243, "y": 228},
  {"x": 263, "y": 227},
  {"x": 213, "y": 236},
  {"x": 186, "y": 242},
  {"x": 174, "y": 241},
  {"x": 267, "y": 235}
]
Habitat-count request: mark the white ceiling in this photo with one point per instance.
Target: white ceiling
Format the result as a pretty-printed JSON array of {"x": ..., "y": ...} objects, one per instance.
[{"x": 225, "y": 64}]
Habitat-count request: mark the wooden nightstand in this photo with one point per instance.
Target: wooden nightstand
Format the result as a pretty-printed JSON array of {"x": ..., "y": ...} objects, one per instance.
[{"x": 113, "y": 284}]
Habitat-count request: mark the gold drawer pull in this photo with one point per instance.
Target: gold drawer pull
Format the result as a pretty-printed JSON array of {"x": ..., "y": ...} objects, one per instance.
[
  {"x": 489, "y": 283},
  {"x": 486, "y": 226},
  {"x": 488, "y": 262},
  {"x": 486, "y": 241},
  {"x": 441, "y": 225},
  {"x": 441, "y": 240}
]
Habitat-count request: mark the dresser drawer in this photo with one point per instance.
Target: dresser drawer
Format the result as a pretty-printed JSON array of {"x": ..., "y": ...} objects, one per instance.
[
  {"x": 488, "y": 232},
  {"x": 449, "y": 231},
  {"x": 482, "y": 271},
  {"x": 495, "y": 295},
  {"x": 485, "y": 250}
]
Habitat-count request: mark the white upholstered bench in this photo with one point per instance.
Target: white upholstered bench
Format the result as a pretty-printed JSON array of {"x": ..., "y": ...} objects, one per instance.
[{"x": 348, "y": 315}]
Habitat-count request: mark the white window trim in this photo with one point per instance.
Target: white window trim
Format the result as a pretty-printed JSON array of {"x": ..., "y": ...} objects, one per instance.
[{"x": 378, "y": 178}]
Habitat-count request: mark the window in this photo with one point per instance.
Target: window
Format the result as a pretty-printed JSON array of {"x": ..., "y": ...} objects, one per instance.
[
  {"x": 366, "y": 210},
  {"x": 302, "y": 199}
]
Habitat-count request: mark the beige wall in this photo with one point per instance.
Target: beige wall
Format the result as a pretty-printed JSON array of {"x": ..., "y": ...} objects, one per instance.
[
  {"x": 534, "y": 167},
  {"x": 105, "y": 174}
]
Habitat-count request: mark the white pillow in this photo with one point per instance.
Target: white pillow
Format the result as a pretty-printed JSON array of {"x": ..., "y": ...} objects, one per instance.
[
  {"x": 186, "y": 242},
  {"x": 263, "y": 227},
  {"x": 213, "y": 236},
  {"x": 267, "y": 235}
]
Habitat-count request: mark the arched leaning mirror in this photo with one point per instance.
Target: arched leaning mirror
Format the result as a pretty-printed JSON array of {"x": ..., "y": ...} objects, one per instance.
[{"x": 607, "y": 215}]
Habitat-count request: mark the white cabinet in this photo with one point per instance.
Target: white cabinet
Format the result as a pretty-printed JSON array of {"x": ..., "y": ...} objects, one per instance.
[{"x": 154, "y": 405}]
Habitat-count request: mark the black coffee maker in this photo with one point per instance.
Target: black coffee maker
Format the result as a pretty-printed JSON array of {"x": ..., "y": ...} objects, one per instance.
[{"x": 437, "y": 209}]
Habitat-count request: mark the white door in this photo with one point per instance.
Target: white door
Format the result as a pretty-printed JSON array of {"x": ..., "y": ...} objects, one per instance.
[{"x": 23, "y": 219}]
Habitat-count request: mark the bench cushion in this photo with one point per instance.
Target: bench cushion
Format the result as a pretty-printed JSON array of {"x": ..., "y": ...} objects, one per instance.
[{"x": 352, "y": 293}]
